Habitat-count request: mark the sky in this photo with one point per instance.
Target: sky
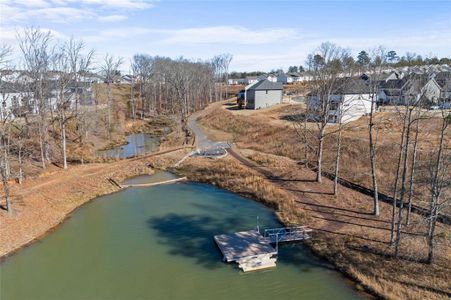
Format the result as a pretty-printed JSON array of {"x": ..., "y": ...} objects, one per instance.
[{"x": 261, "y": 35}]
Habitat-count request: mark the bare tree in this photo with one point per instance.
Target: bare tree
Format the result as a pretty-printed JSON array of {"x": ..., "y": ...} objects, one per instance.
[
  {"x": 325, "y": 65},
  {"x": 109, "y": 69},
  {"x": 36, "y": 53},
  {"x": 413, "y": 103},
  {"x": 377, "y": 65},
  {"x": 412, "y": 170},
  {"x": 5, "y": 123},
  {"x": 439, "y": 179}
]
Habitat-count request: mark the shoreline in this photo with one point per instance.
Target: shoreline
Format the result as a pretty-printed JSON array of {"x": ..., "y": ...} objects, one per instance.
[
  {"x": 230, "y": 175},
  {"x": 348, "y": 279},
  {"x": 78, "y": 190}
]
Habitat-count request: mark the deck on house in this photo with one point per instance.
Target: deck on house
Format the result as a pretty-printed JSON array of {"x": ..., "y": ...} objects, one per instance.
[{"x": 254, "y": 251}]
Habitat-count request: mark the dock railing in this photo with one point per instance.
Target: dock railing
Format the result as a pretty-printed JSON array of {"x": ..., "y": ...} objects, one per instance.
[{"x": 286, "y": 234}]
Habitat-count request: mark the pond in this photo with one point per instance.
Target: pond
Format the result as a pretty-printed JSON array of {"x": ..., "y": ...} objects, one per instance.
[
  {"x": 157, "y": 243},
  {"x": 137, "y": 143}
]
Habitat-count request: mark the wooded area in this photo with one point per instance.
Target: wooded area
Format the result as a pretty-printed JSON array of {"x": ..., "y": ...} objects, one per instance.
[{"x": 57, "y": 93}]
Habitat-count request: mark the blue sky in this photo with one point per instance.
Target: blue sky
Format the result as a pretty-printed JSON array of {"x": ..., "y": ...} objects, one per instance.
[{"x": 261, "y": 35}]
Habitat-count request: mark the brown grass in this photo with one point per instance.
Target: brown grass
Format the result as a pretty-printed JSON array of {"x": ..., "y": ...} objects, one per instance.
[
  {"x": 345, "y": 234},
  {"x": 266, "y": 131}
]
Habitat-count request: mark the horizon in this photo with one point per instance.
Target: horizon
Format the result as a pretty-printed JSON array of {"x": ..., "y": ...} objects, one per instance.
[{"x": 262, "y": 37}]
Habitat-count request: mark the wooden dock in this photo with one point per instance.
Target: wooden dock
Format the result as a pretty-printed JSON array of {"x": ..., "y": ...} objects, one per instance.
[
  {"x": 153, "y": 183},
  {"x": 249, "y": 249},
  {"x": 254, "y": 251}
]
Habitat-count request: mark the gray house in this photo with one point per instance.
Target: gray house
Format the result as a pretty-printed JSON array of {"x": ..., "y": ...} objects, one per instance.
[{"x": 263, "y": 93}]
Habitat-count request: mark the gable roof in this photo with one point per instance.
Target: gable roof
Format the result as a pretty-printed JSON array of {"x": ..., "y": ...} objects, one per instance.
[
  {"x": 351, "y": 86},
  {"x": 266, "y": 85},
  {"x": 443, "y": 79}
]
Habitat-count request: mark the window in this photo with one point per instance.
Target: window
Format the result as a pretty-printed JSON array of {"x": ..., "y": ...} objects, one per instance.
[{"x": 266, "y": 92}]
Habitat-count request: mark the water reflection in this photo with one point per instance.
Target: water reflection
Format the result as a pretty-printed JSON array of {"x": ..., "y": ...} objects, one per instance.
[{"x": 137, "y": 143}]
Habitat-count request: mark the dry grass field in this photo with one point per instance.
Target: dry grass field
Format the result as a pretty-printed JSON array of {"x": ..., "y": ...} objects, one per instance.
[
  {"x": 344, "y": 232},
  {"x": 273, "y": 131}
]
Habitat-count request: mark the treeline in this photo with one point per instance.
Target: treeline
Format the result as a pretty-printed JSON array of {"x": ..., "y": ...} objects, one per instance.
[
  {"x": 391, "y": 58},
  {"x": 176, "y": 86},
  {"x": 50, "y": 98},
  {"x": 246, "y": 74}
]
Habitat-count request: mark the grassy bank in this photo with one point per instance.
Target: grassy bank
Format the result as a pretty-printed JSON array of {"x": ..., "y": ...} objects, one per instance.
[
  {"x": 42, "y": 203},
  {"x": 352, "y": 245}
]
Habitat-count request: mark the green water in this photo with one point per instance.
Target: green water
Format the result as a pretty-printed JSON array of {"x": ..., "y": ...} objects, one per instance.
[
  {"x": 157, "y": 243},
  {"x": 137, "y": 143}
]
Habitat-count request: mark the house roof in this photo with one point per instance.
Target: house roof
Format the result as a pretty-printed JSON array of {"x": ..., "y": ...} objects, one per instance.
[
  {"x": 443, "y": 79},
  {"x": 266, "y": 85},
  {"x": 394, "y": 83},
  {"x": 351, "y": 86}
]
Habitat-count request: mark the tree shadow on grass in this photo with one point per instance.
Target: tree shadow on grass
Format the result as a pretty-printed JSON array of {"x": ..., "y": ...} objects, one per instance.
[
  {"x": 334, "y": 208},
  {"x": 334, "y": 213}
]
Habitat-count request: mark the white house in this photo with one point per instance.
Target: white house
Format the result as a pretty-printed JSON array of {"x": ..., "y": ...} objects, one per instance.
[
  {"x": 272, "y": 77},
  {"x": 251, "y": 80},
  {"x": 348, "y": 102},
  {"x": 284, "y": 78}
]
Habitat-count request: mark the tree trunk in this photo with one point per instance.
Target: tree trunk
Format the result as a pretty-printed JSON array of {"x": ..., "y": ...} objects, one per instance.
[
  {"x": 395, "y": 192},
  {"x": 337, "y": 159},
  {"x": 435, "y": 194},
  {"x": 20, "y": 175},
  {"x": 132, "y": 100},
  {"x": 5, "y": 181},
  {"x": 373, "y": 162},
  {"x": 305, "y": 141},
  {"x": 63, "y": 141},
  {"x": 403, "y": 185},
  {"x": 41, "y": 146},
  {"x": 320, "y": 155},
  {"x": 412, "y": 174},
  {"x": 431, "y": 230},
  {"x": 109, "y": 110}
]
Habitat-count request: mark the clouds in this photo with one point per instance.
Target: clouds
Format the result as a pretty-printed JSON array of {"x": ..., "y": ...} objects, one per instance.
[
  {"x": 261, "y": 40},
  {"x": 65, "y": 11},
  {"x": 112, "y": 18},
  {"x": 196, "y": 36},
  {"x": 228, "y": 34}
]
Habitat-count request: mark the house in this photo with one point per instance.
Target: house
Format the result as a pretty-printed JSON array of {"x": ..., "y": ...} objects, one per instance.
[
  {"x": 263, "y": 93},
  {"x": 443, "y": 79},
  {"x": 349, "y": 101},
  {"x": 393, "y": 91},
  {"x": 127, "y": 79},
  {"x": 251, "y": 80},
  {"x": 284, "y": 78},
  {"x": 232, "y": 81},
  {"x": 431, "y": 91},
  {"x": 272, "y": 77}
]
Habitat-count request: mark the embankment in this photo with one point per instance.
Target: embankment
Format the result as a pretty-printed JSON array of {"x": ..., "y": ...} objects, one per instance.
[{"x": 40, "y": 204}]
